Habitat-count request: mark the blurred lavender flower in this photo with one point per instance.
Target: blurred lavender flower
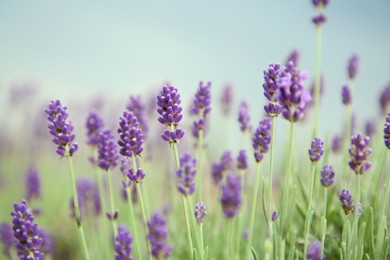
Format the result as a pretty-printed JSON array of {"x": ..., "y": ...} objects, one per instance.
[
  {"x": 261, "y": 139},
  {"x": 270, "y": 86},
  {"x": 61, "y": 129},
  {"x": 136, "y": 106},
  {"x": 170, "y": 112},
  {"x": 32, "y": 181},
  {"x": 360, "y": 210},
  {"x": 6, "y": 237},
  {"x": 158, "y": 235},
  {"x": 199, "y": 124},
  {"x": 231, "y": 195},
  {"x": 314, "y": 251},
  {"x": 360, "y": 152},
  {"x": 202, "y": 101},
  {"x": 320, "y": 3},
  {"x": 293, "y": 56},
  {"x": 327, "y": 176},
  {"x": 337, "y": 143},
  {"x": 227, "y": 99},
  {"x": 200, "y": 212},
  {"x": 274, "y": 215},
  {"x": 130, "y": 134},
  {"x": 346, "y": 95},
  {"x": 319, "y": 19},
  {"x": 244, "y": 118},
  {"x": 26, "y": 232},
  {"x": 186, "y": 175},
  {"x": 107, "y": 150},
  {"x": 370, "y": 128},
  {"x": 346, "y": 201},
  {"x": 47, "y": 242},
  {"x": 137, "y": 176},
  {"x": 94, "y": 125},
  {"x": 317, "y": 150},
  {"x": 123, "y": 242},
  {"x": 353, "y": 66},
  {"x": 88, "y": 196},
  {"x": 218, "y": 169},
  {"x": 386, "y": 131},
  {"x": 242, "y": 160},
  {"x": 384, "y": 99}
]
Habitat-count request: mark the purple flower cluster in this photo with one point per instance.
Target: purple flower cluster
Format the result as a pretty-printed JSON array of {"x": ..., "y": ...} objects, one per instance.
[
  {"x": 94, "y": 125},
  {"x": 158, "y": 235},
  {"x": 136, "y": 176},
  {"x": 384, "y": 99},
  {"x": 319, "y": 18},
  {"x": 319, "y": 3},
  {"x": 386, "y": 131},
  {"x": 231, "y": 195},
  {"x": 353, "y": 66},
  {"x": 314, "y": 251},
  {"x": 347, "y": 201},
  {"x": 130, "y": 135},
  {"x": 186, "y": 175},
  {"x": 136, "y": 106},
  {"x": 346, "y": 95},
  {"x": 170, "y": 110},
  {"x": 242, "y": 160},
  {"x": 123, "y": 242},
  {"x": 261, "y": 139},
  {"x": 293, "y": 56},
  {"x": 47, "y": 243},
  {"x": 32, "y": 181},
  {"x": 337, "y": 142},
  {"x": 61, "y": 129},
  {"x": 244, "y": 118},
  {"x": 6, "y": 237},
  {"x": 107, "y": 150},
  {"x": 327, "y": 176},
  {"x": 370, "y": 127},
  {"x": 270, "y": 86},
  {"x": 26, "y": 233},
  {"x": 227, "y": 99},
  {"x": 200, "y": 212},
  {"x": 224, "y": 165},
  {"x": 317, "y": 150},
  {"x": 88, "y": 196},
  {"x": 202, "y": 102},
  {"x": 360, "y": 152}
]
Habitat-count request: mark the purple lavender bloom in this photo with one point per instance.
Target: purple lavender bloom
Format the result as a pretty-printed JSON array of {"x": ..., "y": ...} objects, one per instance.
[
  {"x": 218, "y": 169},
  {"x": 346, "y": 201},
  {"x": 242, "y": 160},
  {"x": 386, "y": 131},
  {"x": 202, "y": 101},
  {"x": 136, "y": 106},
  {"x": 137, "y": 176},
  {"x": 274, "y": 216},
  {"x": 186, "y": 175},
  {"x": 319, "y": 19},
  {"x": 291, "y": 93},
  {"x": 61, "y": 129},
  {"x": 227, "y": 99},
  {"x": 243, "y": 117},
  {"x": 107, "y": 150},
  {"x": 327, "y": 176},
  {"x": 261, "y": 139},
  {"x": 158, "y": 235},
  {"x": 337, "y": 143},
  {"x": 198, "y": 125},
  {"x": 319, "y": 3},
  {"x": 94, "y": 125},
  {"x": 123, "y": 242},
  {"x": 47, "y": 243},
  {"x": 32, "y": 184},
  {"x": 384, "y": 99},
  {"x": 88, "y": 196},
  {"x": 314, "y": 251},
  {"x": 360, "y": 209},
  {"x": 346, "y": 95},
  {"x": 270, "y": 86},
  {"x": 6, "y": 237},
  {"x": 370, "y": 127},
  {"x": 26, "y": 232},
  {"x": 231, "y": 195},
  {"x": 130, "y": 134},
  {"x": 293, "y": 56},
  {"x": 353, "y": 66},
  {"x": 200, "y": 212},
  {"x": 317, "y": 150},
  {"x": 360, "y": 152}
]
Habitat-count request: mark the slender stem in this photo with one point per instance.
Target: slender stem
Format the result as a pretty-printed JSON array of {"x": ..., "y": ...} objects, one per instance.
[
  {"x": 188, "y": 226},
  {"x": 271, "y": 169},
  {"x": 113, "y": 220},
  {"x": 200, "y": 164},
  {"x": 229, "y": 239},
  {"x": 347, "y": 137},
  {"x": 324, "y": 217},
  {"x": 253, "y": 209},
  {"x": 77, "y": 209},
  {"x": 201, "y": 240},
  {"x": 317, "y": 81},
  {"x": 133, "y": 225},
  {"x": 357, "y": 213},
  {"x": 309, "y": 213},
  {"x": 313, "y": 170},
  {"x": 289, "y": 162},
  {"x": 194, "y": 222}
]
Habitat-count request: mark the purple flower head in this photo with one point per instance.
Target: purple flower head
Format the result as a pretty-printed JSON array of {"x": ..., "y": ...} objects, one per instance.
[
  {"x": 337, "y": 143},
  {"x": 243, "y": 117},
  {"x": 32, "y": 181},
  {"x": 123, "y": 242},
  {"x": 227, "y": 99},
  {"x": 319, "y": 19},
  {"x": 370, "y": 128},
  {"x": 319, "y": 3},
  {"x": 224, "y": 165},
  {"x": 261, "y": 139},
  {"x": 346, "y": 95},
  {"x": 314, "y": 251},
  {"x": 88, "y": 197},
  {"x": 200, "y": 212},
  {"x": 202, "y": 101},
  {"x": 360, "y": 152},
  {"x": 327, "y": 176},
  {"x": 270, "y": 86},
  {"x": 137, "y": 176},
  {"x": 360, "y": 209},
  {"x": 346, "y": 201},
  {"x": 136, "y": 106},
  {"x": 386, "y": 131},
  {"x": 231, "y": 195},
  {"x": 384, "y": 99},
  {"x": 26, "y": 232},
  {"x": 130, "y": 135},
  {"x": 94, "y": 125},
  {"x": 317, "y": 150},
  {"x": 242, "y": 160},
  {"x": 199, "y": 124},
  {"x": 158, "y": 235},
  {"x": 6, "y": 237},
  {"x": 107, "y": 150},
  {"x": 293, "y": 56},
  {"x": 186, "y": 175},
  {"x": 61, "y": 129},
  {"x": 353, "y": 66}
]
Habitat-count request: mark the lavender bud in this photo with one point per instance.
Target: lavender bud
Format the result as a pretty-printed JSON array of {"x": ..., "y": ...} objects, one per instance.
[
  {"x": 317, "y": 150},
  {"x": 384, "y": 99},
  {"x": 346, "y": 95},
  {"x": 186, "y": 175},
  {"x": 94, "y": 125},
  {"x": 123, "y": 242},
  {"x": 138, "y": 176},
  {"x": 327, "y": 176},
  {"x": 270, "y": 86},
  {"x": 274, "y": 216},
  {"x": 32, "y": 181},
  {"x": 319, "y": 3},
  {"x": 261, "y": 139},
  {"x": 158, "y": 235},
  {"x": 242, "y": 160},
  {"x": 200, "y": 212},
  {"x": 314, "y": 251},
  {"x": 360, "y": 152},
  {"x": 337, "y": 143},
  {"x": 130, "y": 135},
  {"x": 244, "y": 118},
  {"x": 202, "y": 101},
  {"x": 386, "y": 131},
  {"x": 353, "y": 66},
  {"x": 231, "y": 195},
  {"x": 88, "y": 197},
  {"x": 319, "y": 19},
  {"x": 360, "y": 209},
  {"x": 47, "y": 242},
  {"x": 107, "y": 150},
  {"x": 346, "y": 201}
]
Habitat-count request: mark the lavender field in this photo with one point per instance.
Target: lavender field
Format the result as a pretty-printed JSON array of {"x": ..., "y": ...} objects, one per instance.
[{"x": 282, "y": 155}]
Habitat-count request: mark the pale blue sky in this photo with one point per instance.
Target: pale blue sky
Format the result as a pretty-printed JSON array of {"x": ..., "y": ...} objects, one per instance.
[{"x": 79, "y": 47}]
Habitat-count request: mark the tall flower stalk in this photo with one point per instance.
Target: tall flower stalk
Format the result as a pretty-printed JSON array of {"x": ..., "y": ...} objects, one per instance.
[{"x": 327, "y": 180}]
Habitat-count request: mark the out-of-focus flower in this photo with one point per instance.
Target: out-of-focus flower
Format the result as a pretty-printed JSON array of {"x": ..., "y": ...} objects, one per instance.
[
  {"x": 327, "y": 176},
  {"x": 33, "y": 186},
  {"x": 107, "y": 150},
  {"x": 94, "y": 125},
  {"x": 227, "y": 99},
  {"x": 244, "y": 118},
  {"x": 224, "y": 165},
  {"x": 123, "y": 242},
  {"x": 353, "y": 66},
  {"x": 186, "y": 175},
  {"x": 231, "y": 195},
  {"x": 386, "y": 131},
  {"x": 261, "y": 139},
  {"x": 158, "y": 235},
  {"x": 314, "y": 251},
  {"x": 242, "y": 160},
  {"x": 360, "y": 152},
  {"x": 346, "y": 95},
  {"x": 200, "y": 212},
  {"x": 317, "y": 150}
]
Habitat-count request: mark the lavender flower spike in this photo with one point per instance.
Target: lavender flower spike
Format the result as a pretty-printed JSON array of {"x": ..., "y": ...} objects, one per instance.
[
  {"x": 32, "y": 184},
  {"x": 353, "y": 66},
  {"x": 242, "y": 160},
  {"x": 384, "y": 99},
  {"x": 327, "y": 176},
  {"x": 319, "y": 19},
  {"x": 107, "y": 150},
  {"x": 261, "y": 139},
  {"x": 346, "y": 95},
  {"x": 231, "y": 195},
  {"x": 88, "y": 197},
  {"x": 26, "y": 232},
  {"x": 319, "y": 3},
  {"x": 243, "y": 117},
  {"x": 314, "y": 251},
  {"x": 158, "y": 235},
  {"x": 317, "y": 150},
  {"x": 360, "y": 152},
  {"x": 346, "y": 201},
  {"x": 186, "y": 175},
  {"x": 130, "y": 135},
  {"x": 202, "y": 101},
  {"x": 218, "y": 169},
  {"x": 6, "y": 237},
  {"x": 227, "y": 99},
  {"x": 123, "y": 242},
  {"x": 200, "y": 212},
  {"x": 386, "y": 131},
  {"x": 61, "y": 129},
  {"x": 270, "y": 86},
  {"x": 293, "y": 56},
  {"x": 136, "y": 106},
  {"x": 94, "y": 125}
]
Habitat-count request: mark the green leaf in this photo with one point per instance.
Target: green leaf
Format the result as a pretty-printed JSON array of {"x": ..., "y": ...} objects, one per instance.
[
  {"x": 263, "y": 203},
  {"x": 254, "y": 254}
]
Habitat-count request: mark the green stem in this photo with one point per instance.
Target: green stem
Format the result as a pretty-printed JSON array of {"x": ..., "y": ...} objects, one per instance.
[
  {"x": 309, "y": 213},
  {"x": 271, "y": 169},
  {"x": 113, "y": 221},
  {"x": 201, "y": 240},
  {"x": 133, "y": 225},
  {"x": 383, "y": 217},
  {"x": 313, "y": 170},
  {"x": 347, "y": 138},
  {"x": 200, "y": 164},
  {"x": 317, "y": 81},
  {"x": 229, "y": 239},
  {"x": 77, "y": 208},
  {"x": 253, "y": 209},
  {"x": 188, "y": 226},
  {"x": 324, "y": 217},
  {"x": 289, "y": 162}
]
